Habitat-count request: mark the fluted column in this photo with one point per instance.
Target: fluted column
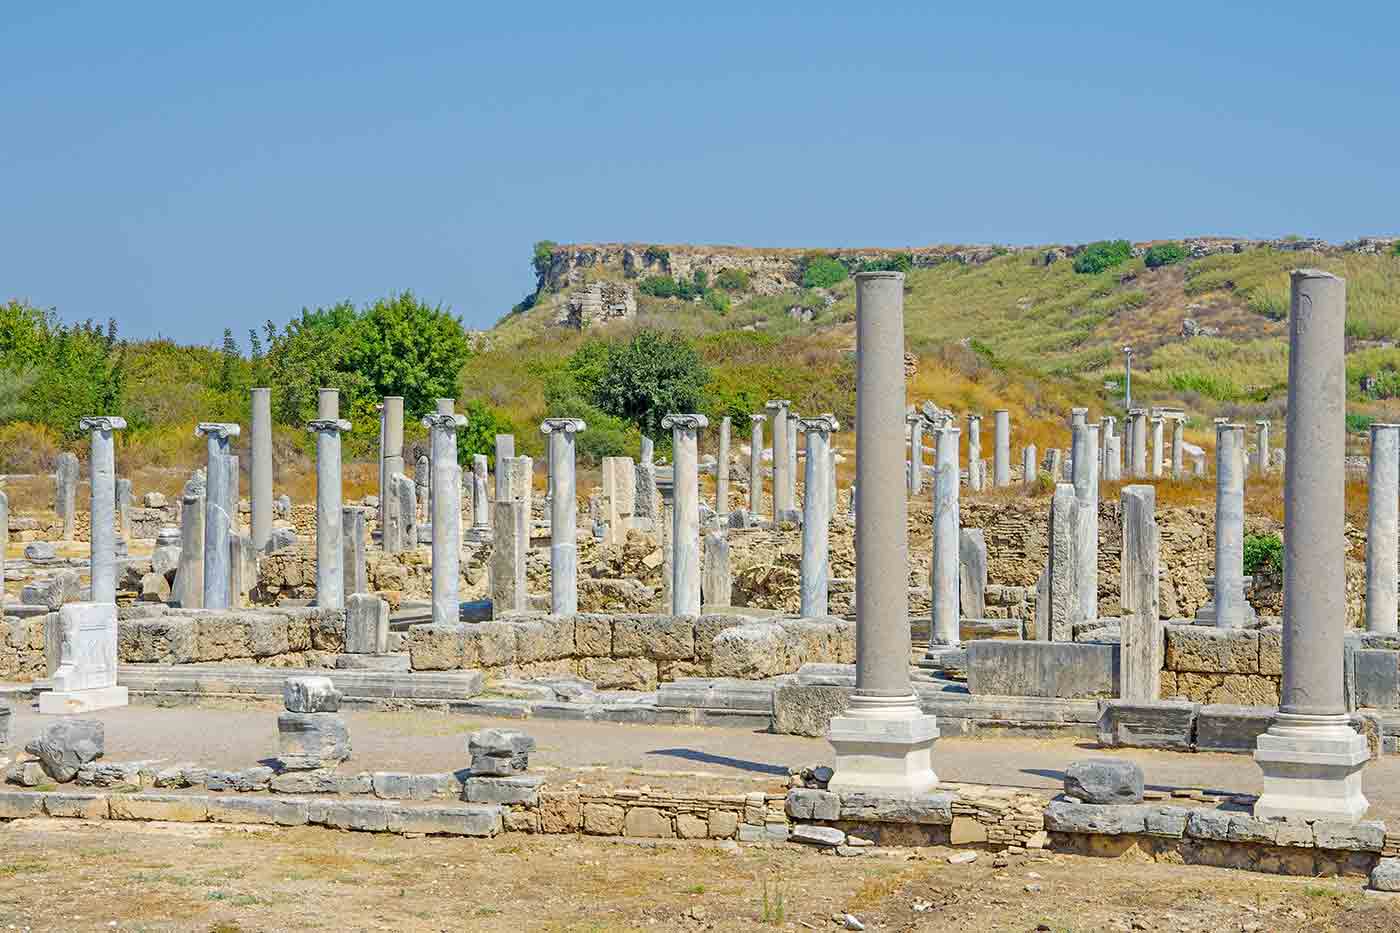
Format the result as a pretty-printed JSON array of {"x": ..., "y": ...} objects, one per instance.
[
  {"x": 330, "y": 579},
  {"x": 685, "y": 516},
  {"x": 102, "y": 531},
  {"x": 218, "y": 517},
  {"x": 816, "y": 510},
  {"x": 563, "y": 515},
  {"x": 756, "y": 464},
  {"x": 1383, "y": 500},
  {"x": 946, "y": 619},
  {"x": 778, "y": 412}
]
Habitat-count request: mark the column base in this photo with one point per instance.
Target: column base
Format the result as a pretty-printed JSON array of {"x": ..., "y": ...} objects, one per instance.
[
  {"x": 1312, "y": 769},
  {"x": 74, "y": 702},
  {"x": 884, "y": 745}
]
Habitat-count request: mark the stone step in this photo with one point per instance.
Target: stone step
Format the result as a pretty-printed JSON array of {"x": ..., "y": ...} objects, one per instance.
[
  {"x": 753, "y": 696},
  {"x": 206, "y": 679}
]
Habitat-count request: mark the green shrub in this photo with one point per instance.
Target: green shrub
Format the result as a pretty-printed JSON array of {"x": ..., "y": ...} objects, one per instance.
[
  {"x": 717, "y": 300},
  {"x": 544, "y": 255},
  {"x": 1164, "y": 254},
  {"x": 479, "y": 436},
  {"x": 1263, "y": 553},
  {"x": 733, "y": 280},
  {"x": 659, "y": 286},
  {"x": 655, "y": 254},
  {"x": 1359, "y": 424},
  {"x": 899, "y": 262},
  {"x": 822, "y": 272},
  {"x": 1210, "y": 385},
  {"x": 1396, "y": 250},
  {"x": 640, "y": 381},
  {"x": 1105, "y": 254},
  {"x": 1385, "y": 384}
]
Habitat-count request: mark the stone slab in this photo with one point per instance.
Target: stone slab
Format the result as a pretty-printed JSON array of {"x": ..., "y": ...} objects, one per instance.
[
  {"x": 1225, "y": 728},
  {"x": 1375, "y": 677},
  {"x": 76, "y": 702},
  {"x": 214, "y": 679},
  {"x": 1064, "y": 670},
  {"x": 717, "y": 693},
  {"x": 1165, "y": 724}
]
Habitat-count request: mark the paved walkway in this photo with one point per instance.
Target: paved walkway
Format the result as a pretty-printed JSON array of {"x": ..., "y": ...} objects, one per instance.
[{"x": 234, "y": 736}]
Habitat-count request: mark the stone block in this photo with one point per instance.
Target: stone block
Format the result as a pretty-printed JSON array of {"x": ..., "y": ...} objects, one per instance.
[
  {"x": 657, "y": 637},
  {"x": 1063, "y": 816},
  {"x": 621, "y": 673},
  {"x": 723, "y": 824},
  {"x": 800, "y": 709},
  {"x": 811, "y": 804},
  {"x": 1164, "y": 724},
  {"x": 546, "y": 639},
  {"x": 560, "y": 811},
  {"x": 272, "y": 811},
  {"x": 20, "y": 804},
  {"x": 366, "y": 624},
  {"x": 1066, "y": 670},
  {"x": 1205, "y": 649},
  {"x": 479, "y": 820},
  {"x": 436, "y": 646},
  {"x": 1105, "y": 781},
  {"x": 928, "y": 809},
  {"x": 1364, "y": 836},
  {"x": 648, "y": 823},
  {"x": 177, "y": 808},
  {"x": 157, "y": 641},
  {"x": 691, "y": 826},
  {"x": 966, "y": 830},
  {"x": 828, "y": 836},
  {"x": 243, "y": 781},
  {"x": 515, "y": 790},
  {"x": 593, "y": 636},
  {"x": 1227, "y": 728},
  {"x": 1386, "y": 875},
  {"x": 403, "y": 785},
  {"x": 749, "y": 651},
  {"x": 602, "y": 819},
  {"x": 1271, "y": 650},
  {"x": 310, "y": 695},
  {"x": 77, "y": 806},
  {"x": 306, "y": 741},
  {"x": 68, "y": 745},
  {"x": 365, "y": 816},
  {"x": 491, "y": 644},
  {"x": 1375, "y": 677},
  {"x": 1166, "y": 821},
  {"x": 1209, "y": 824},
  {"x": 321, "y": 781},
  {"x": 499, "y": 752}
]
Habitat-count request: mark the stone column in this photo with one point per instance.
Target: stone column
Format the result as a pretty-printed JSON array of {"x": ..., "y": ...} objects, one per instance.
[
  {"x": 792, "y": 420},
  {"x": 393, "y": 451},
  {"x": 481, "y": 510},
  {"x": 1138, "y": 418},
  {"x": 816, "y": 511},
  {"x": 124, "y": 506},
  {"x": 884, "y": 741},
  {"x": 1157, "y": 423},
  {"x": 563, "y": 515},
  {"x": 218, "y": 515},
  {"x": 756, "y": 464},
  {"x": 717, "y": 587},
  {"x": 1140, "y": 675},
  {"x": 1086, "y": 544},
  {"x": 1311, "y": 756},
  {"x": 510, "y": 531},
  {"x": 1232, "y": 610},
  {"x": 778, "y": 412},
  {"x": 974, "y": 453},
  {"x": 1179, "y": 446},
  {"x": 685, "y": 515},
  {"x": 1030, "y": 467},
  {"x": 722, "y": 471},
  {"x": 946, "y": 627},
  {"x": 447, "y": 513},
  {"x": 354, "y": 568},
  {"x": 916, "y": 452},
  {"x": 505, "y": 449},
  {"x": 260, "y": 485},
  {"x": 1383, "y": 494},
  {"x": 1113, "y": 459},
  {"x": 4, "y": 543},
  {"x": 188, "y": 591},
  {"x": 1001, "y": 452},
  {"x": 102, "y": 528},
  {"x": 65, "y": 502},
  {"x": 1262, "y": 461},
  {"x": 1106, "y": 423},
  {"x": 330, "y": 583}
]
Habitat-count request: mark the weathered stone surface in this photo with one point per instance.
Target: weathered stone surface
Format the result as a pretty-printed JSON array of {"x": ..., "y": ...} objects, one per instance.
[
  {"x": 1042, "y": 668},
  {"x": 321, "y": 781},
  {"x": 1373, "y": 674},
  {"x": 67, "y": 745},
  {"x": 1386, "y": 875},
  {"x": 1166, "y": 821},
  {"x": 19, "y": 804},
  {"x": 1163, "y": 724},
  {"x": 517, "y": 789},
  {"x": 1104, "y": 780},
  {"x": 601, "y": 819},
  {"x": 810, "y": 804},
  {"x": 560, "y": 811},
  {"x": 274, "y": 811},
  {"x": 242, "y": 781},
  {"x": 723, "y": 824},
  {"x": 405, "y": 785},
  {"x": 748, "y": 651},
  {"x": 436, "y": 646},
  {"x": 306, "y": 741},
  {"x": 363, "y": 815},
  {"x": 499, "y": 752},
  {"x": 1208, "y": 824},
  {"x": 1210, "y": 650},
  {"x": 481, "y": 820},
  {"x": 932, "y": 809},
  {"x": 173, "y": 807},
  {"x": 648, "y": 823},
  {"x": 660, "y": 638},
  {"x": 1224, "y": 727},
  {"x": 1063, "y": 816},
  {"x": 1365, "y": 836},
  {"x": 366, "y": 624},
  {"x": 310, "y": 695},
  {"x": 77, "y": 806},
  {"x": 690, "y": 826},
  {"x": 972, "y": 573},
  {"x": 801, "y": 709},
  {"x": 817, "y": 835}
]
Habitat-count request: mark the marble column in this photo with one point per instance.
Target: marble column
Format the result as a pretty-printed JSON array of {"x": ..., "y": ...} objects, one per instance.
[
  {"x": 1157, "y": 425},
  {"x": 792, "y": 419},
  {"x": 260, "y": 479},
  {"x": 1231, "y": 608},
  {"x": 974, "y": 453},
  {"x": 1311, "y": 756},
  {"x": 505, "y": 449},
  {"x": 1262, "y": 461},
  {"x": 722, "y": 471},
  {"x": 102, "y": 529},
  {"x": 1106, "y": 423},
  {"x": 778, "y": 412},
  {"x": 1113, "y": 459},
  {"x": 563, "y": 515},
  {"x": 685, "y": 515},
  {"x": 4, "y": 543},
  {"x": 1138, "y": 420},
  {"x": 218, "y": 514},
  {"x": 330, "y": 583},
  {"x": 392, "y": 442},
  {"x": 1179, "y": 446},
  {"x": 1001, "y": 451},
  {"x": 188, "y": 591},
  {"x": 916, "y": 452},
  {"x": 1085, "y": 441},
  {"x": 447, "y": 511},
  {"x": 816, "y": 511},
  {"x": 481, "y": 510},
  {"x": 1140, "y": 675},
  {"x": 65, "y": 503},
  {"x": 946, "y": 623},
  {"x": 756, "y": 464},
  {"x": 1030, "y": 467},
  {"x": 883, "y": 741},
  {"x": 354, "y": 543},
  {"x": 1382, "y": 540}
]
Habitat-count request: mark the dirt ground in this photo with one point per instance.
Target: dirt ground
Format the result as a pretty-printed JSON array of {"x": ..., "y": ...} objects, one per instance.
[{"x": 71, "y": 875}]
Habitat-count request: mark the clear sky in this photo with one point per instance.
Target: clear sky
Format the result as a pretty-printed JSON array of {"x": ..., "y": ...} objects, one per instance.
[{"x": 186, "y": 167}]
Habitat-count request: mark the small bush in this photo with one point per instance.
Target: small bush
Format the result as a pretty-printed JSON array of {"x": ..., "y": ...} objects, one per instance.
[
  {"x": 733, "y": 280},
  {"x": 659, "y": 286},
  {"x": 1164, "y": 254},
  {"x": 655, "y": 254},
  {"x": 1105, "y": 254},
  {"x": 1210, "y": 385},
  {"x": 899, "y": 262},
  {"x": 544, "y": 255},
  {"x": 717, "y": 300},
  {"x": 1396, "y": 250},
  {"x": 1384, "y": 384},
  {"x": 1359, "y": 424},
  {"x": 822, "y": 272},
  {"x": 1263, "y": 553}
]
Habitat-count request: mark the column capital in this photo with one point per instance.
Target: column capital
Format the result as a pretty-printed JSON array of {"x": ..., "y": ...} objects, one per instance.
[
  {"x": 949, "y": 428},
  {"x": 440, "y": 419},
  {"x": 217, "y": 429},
  {"x": 1263, "y": 422},
  {"x": 562, "y": 425},
  {"x": 824, "y": 423},
  {"x": 773, "y": 404},
  {"x": 974, "y": 419},
  {"x": 1137, "y": 412},
  {"x": 758, "y": 419},
  {"x": 102, "y": 423},
  {"x": 689, "y": 422},
  {"x": 318, "y": 425}
]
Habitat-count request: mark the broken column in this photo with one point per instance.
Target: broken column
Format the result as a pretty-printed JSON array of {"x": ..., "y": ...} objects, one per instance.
[
  {"x": 685, "y": 518},
  {"x": 1086, "y": 493},
  {"x": 311, "y": 734},
  {"x": 916, "y": 451},
  {"x": 218, "y": 514},
  {"x": 188, "y": 591},
  {"x": 563, "y": 515},
  {"x": 1142, "y": 644},
  {"x": 816, "y": 511},
  {"x": 391, "y": 445},
  {"x": 619, "y": 497},
  {"x": 481, "y": 509},
  {"x": 1178, "y": 446},
  {"x": 1383, "y": 494},
  {"x": 717, "y": 585},
  {"x": 447, "y": 512},
  {"x": 1113, "y": 459},
  {"x": 778, "y": 413},
  {"x": 1228, "y": 608},
  {"x": 972, "y": 573},
  {"x": 65, "y": 499},
  {"x": 1262, "y": 461},
  {"x": 505, "y": 450},
  {"x": 1030, "y": 469},
  {"x": 1001, "y": 451},
  {"x": 1157, "y": 423},
  {"x": 511, "y": 535},
  {"x": 792, "y": 419},
  {"x": 1057, "y": 593},
  {"x": 946, "y": 622},
  {"x": 102, "y": 527},
  {"x": 722, "y": 471},
  {"x": 756, "y": 464},
  {"x": 330, "y": 591},
  {"x": 883, "y": 742},
  {"x": 401, "y": 515},
  {"x": 1311, "y": 757},
  {"x": 355, "y": 568},
  {"x": 1138, "y": 419},
  {"x": 974, "y": 453},
  {"x": 260, "y": 479}
]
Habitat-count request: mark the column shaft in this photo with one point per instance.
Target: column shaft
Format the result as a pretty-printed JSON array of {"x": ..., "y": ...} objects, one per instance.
[
  {"x": 756, "y": 465},
  {"x": 447, "y": 516},
  {"x": 1383, "y": 494},
  {"x": 816, "y": 510},
  {"x": 102, "y": 530},
  {"x": 1001, "y": 452},
  {"x": 1231, "y": 609},
  {"x": 722, "y": 470},
  {"x": 685, "y": 518},
  {"x": 563, "y": 516},
  {"x": 260, "y": 488},
  {"x": 946, "y": 621}
]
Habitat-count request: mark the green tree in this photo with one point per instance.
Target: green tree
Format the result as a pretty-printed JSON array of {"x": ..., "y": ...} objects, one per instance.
[
  {"x": 1103, "y": 255},
  {"x": 733, "y": 280},
  {"x": 543, "y": 256},
  {"x": 649, "y": 377},
  {"x": 822, "y": 272},
  {"x": 479, "y": 436},
  {"x": 1164, "y": 254},
  {"x": 409, "y": 348}
]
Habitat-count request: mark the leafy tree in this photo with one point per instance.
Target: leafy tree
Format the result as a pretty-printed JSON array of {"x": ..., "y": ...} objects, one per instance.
[
  {"x": 643, "y": 380},
  {"x": 1263, "y": 552},
  {"x": 822, "y": 272},
  {"x": 1396, "y": 250},
  {"x": 1164, "y": 254},
  {"x": 543, "y": 256},
  {"x": 733, "y": 280},
  {"x": 659, "y": 286},
  {"x": 228, "y": 363},
  {"x": 1105, "y": 254},
  {"x": 479, "y": 436},
  {"x": 717, "y": 300},
  {"x": 52, "y": 373}
]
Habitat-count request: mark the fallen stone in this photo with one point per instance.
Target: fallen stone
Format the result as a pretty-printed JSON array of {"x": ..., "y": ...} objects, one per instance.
[
  {"x": 518, "y": 789},
  {"x": 1063, "y": 816},
  {"x": 1386, "y": 875},
  {"x": 310, "y": 695},
  {"x": 40, "y": 550},
  {"x": 242, "y": 781},
  {"x": 1104, "y": 780},
  {"x": 817, "y": 835},
  {"x": 500, "y": 752},
  {"x": 805, "y": 804},
  {"x": 66, "y": 746},
  {"x": 307, "y": 741}
]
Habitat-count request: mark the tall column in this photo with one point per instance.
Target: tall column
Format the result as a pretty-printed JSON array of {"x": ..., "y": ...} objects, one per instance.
[
  {"x": 816, "y": 511},
  {"x": 102, "y": 530},
  {"x": 946, "y": 621},
  {"x": 778, "y": 411},
  {"x": 330, "y": 583},
  {"x": 1106, "y": 423},
  {"x": 722, "y": 471},
  {"x": 916, "y": 451},
  {"x": 1157, "y": 424},
  {"x": 563, "y": 515},
  {"x": 1311, "y": 757},
  {"x": 1030, "y": 467},
  {"x": 1085, "y": 465},
  {"x": 505, "y": 449},
  {"x": 1383, "y": 495},
  {"x": 756, "y": 464},
  {"x": 260, "y": 488},
  {"x": 1232, "y": 610},
  {"x": 1001, "y": 451},
  {"x": 481, "y": 511},
  {"x": 218, "y": 514},
  {"x": 884, "y": 741},
  {"x": 1140, "y": 675},
  {"x": 1113, "y": 459},
  {"x": 1261, "y": 465},
  {"x": 393, "y": 450},
  {"x": 1178, "y": 446},
  {"x": 1138, "y": 419},
  {"x": 4, "y": 543},
  {"x": 447, "y": 511},
  {"x": 792, "y": 418},
  {"x": 974, "y": 453},
  {"x": 685, "y": 516}
]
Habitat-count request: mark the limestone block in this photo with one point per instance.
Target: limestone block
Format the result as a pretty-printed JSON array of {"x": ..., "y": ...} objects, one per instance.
[
  {"x": 306, "y": 741},
  {"x": 748, "y": 651},
  {"x": 479, "y": 820},
  {"x": 1063, "y": 816},
  {"x": 933, "y": 809},
  {"x": 811, "y": 804},
  {"x": 1104, "y": 780},
  {"x": 1231, "y": 728},
  {"x": 593, "y": 636},
  {"x": 245, "y": 780},
  {"x": 707, "y": 627},
  {"x": 157, "y": 641},
  {"x": 545, "y": 639},
  {"x": 77, "y": 806},
  {"x": 1271, "y": 650},
  {"x": 1386, "y": 875},
  {"x": 321, "y": 781},
  {"x": 807, "y": 709},
  {"x": 966, "y": 830},
  {"x": 37, "y": 550},
  {"x": 657, "y": 637},
  {"x": 1063, "y": 669},
  {"x": 560, "y": 811},
  {"x": 1364, "y": 836},
  {"x": 19, "y": 804},
  {"x": 310, "y": 695},
  {"x": 723, "y": 824},
  {"x": 1167, "y": 821},
  {"x": 690, "y": 826},
  {"x": 365, "y": 816},
  {"x": 404, "y": 785},
  {"x": 648, "y": 823},
  {"x": 972, "y": 573},
  {"x": 52, "y": 591},
  {"x": 828, "y": 836},
  {"x": 621, "y": 673},
  {"x": 220, "y": 636},
  {"x": 521, "y": 790},
  {"x": 267, "y": 635},
  {"x": 1164, "y": 724},
  {"x": 493, "y": 644},
  {"x": 435, "y": 646},
  {"x": 366, "y": 624},
  {"x": 273, "y": 811},
  {"x": 599, "y": 819},
  {"x": 178, "y": 808},
  {"x": 1211, "y": 650},
  {"x": 499, "y": 751},
  {"x": 67, "y": 745}
]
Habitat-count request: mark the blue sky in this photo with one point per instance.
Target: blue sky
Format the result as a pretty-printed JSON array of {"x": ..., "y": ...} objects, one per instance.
[{"x": 187, "y": 167}]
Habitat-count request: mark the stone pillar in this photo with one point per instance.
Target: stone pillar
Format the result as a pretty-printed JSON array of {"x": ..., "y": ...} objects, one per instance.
[
  {"x": 1383, "y": 494},
  {"x": 1030, "y": 468},
  {"x": 1262, "y": 461},
  {"x": 481, "y": 510},
  {"x": 447, "y": 513},
  {"x": 1231, "y": 609},
  {"x": 619, "y": 497},
  {"x": 188, "y": 591},
  {"x": 510, "y": 530},
  {"x": 1001, "y": 452},
  {"x": 1113, "y": 459},
  {"x": 972, "y": 573},
  {"x": 718, "y": 584},
  {"x": 974, "y": 453},
  {"x": 392, "y": 443},
  {"x": 330, "y": 589},
  {"x": 816, "y": 511},
  {"x": 422, "y": 485},
  {"x": 792, "y": 420},
  {"x": 260, "y": 479},
  {"x": 505, "y": 449},
  {"x": 124, "y": 506},
  {"x": 646, "y": 502},
  {"x": 1311, "y": 757},
  {"x": 4, "y": 543},
  {"x": 1106, "y": 425},
  {"x": 355, "y": 539},
  {"x": 1086, "y": 544},
  {"x": 563, "y": 515},
  {"x": 218, "y": 515},
  {"x": 1138, "y": 418},
  {"x": 916, "y": 452},
  {"x": 65, "y": 500},
  {"x": 1055, "y": 464},
  {"x": 722, "y": 471},
  {"x": 1179, "y": 446},
  {"x": 883, "y": 741},
  {"x": 1157, "y": 423},
  {"x": 400, "y": 532},
  {"x": 1140, "y": 673},
  {"x": 685, "y": 515},
  {"x": 946, "y": 620},
  {"x": 102, "y": 527},
  {"x": 756, "y": 464},
  {"x": 1062, "y": 590},
  {"x": 778, "y": 411}
]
